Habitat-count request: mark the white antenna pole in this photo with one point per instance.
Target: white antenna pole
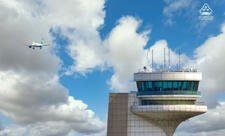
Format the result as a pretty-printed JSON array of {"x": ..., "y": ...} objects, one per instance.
[
  {"x": 152, "y": 62},
  {"x": 169, "y": 61},
  {"x": 179, "y": 61},
  {"x": 164, "y": 63},
  {"x": 147, "y": 58}
]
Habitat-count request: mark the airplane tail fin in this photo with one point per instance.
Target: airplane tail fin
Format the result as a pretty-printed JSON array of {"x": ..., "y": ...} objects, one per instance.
[{"x": 42, "y": 41}]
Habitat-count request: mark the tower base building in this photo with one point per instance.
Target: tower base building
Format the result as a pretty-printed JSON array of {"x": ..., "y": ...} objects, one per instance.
[{"x": 162, "y": 102}]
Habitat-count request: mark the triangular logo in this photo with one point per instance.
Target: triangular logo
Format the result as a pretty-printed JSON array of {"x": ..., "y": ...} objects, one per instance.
[{"x": 206, "y": 10}]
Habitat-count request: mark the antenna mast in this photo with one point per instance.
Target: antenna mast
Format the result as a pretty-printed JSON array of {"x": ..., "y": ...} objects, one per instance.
[
  {"x": 147, "y": 57},
  {"x": 152, "y": 62},
  {"x": 164, "y": 63},
  {"x": 169, "y": 61},
  {"x": 179, "y": 61}
]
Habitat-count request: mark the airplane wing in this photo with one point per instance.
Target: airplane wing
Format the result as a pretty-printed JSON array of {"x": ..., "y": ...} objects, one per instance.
[{"x": 27, "y": 43}]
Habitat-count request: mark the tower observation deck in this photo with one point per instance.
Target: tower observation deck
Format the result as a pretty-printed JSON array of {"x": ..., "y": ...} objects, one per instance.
[
  {"x": 168, "y": 98},
  {"x": 162, "y": 101}
]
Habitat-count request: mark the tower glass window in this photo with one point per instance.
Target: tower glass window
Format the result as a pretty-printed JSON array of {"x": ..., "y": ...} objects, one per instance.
[
  {"x": 142, "y": 86},
  {"x": 170, "y": 85},
  {"x": 175, "y": 85},
  {"x": 167, "y": 85},
  {"x": 150, "y": 86},
  {"x": 157, "y": 85},
  {"x": 192, "y": 85},
  {"x": 179, "y": 85},
  {"x": 196, "y": 86},
  {"x": 184, "y": 87}
]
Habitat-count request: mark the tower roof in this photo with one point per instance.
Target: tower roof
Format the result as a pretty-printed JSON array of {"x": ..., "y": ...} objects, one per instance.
[{"x": 167, "y": 76}]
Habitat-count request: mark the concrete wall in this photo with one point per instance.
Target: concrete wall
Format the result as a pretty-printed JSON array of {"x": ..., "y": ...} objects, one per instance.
[
  {"x": 138, "y": 126},
  {"x": 123, "y": 122},
  {"x": 117, "y": 114}
]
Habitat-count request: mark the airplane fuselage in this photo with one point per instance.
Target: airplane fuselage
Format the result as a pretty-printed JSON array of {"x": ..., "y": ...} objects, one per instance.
[{"x": 37, "y": 45}]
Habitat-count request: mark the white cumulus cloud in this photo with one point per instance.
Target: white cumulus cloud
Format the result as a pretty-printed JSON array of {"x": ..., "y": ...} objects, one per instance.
[
  {"x": 31, "y": 94},
  {"x": 175, "y": 7},
  {"x": 125, "y": 52},
  {"x": 210, "y": 123},
  {"x": 209, "y": 58}
]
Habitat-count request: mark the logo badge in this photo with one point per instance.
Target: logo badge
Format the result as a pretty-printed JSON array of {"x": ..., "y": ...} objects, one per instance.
[{"x": 205, "y": 12}]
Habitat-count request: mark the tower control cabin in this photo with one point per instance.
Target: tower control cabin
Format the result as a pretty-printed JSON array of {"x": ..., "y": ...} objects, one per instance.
[{"x": 162, "y": 102}]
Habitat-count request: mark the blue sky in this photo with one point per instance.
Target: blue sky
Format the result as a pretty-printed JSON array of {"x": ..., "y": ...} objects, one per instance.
[
  {"x": 151, "y": 14},
  {"x": 95, "y": 48}
]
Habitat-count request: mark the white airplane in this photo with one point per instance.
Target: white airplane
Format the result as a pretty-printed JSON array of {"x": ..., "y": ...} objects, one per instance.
[{"x": 37, "y": 45}]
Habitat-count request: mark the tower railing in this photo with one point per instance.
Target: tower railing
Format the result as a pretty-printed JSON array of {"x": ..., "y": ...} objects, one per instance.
[
  {"x": 149, "y": 108},
  {"x": 196, "y": 103}
]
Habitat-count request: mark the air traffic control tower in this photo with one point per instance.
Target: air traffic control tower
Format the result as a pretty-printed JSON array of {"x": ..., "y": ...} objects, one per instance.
[{"x": 164, "y": 99}]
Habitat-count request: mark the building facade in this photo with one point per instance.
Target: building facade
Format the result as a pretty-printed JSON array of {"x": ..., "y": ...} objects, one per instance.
[{"x": 162, "y": 102}]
